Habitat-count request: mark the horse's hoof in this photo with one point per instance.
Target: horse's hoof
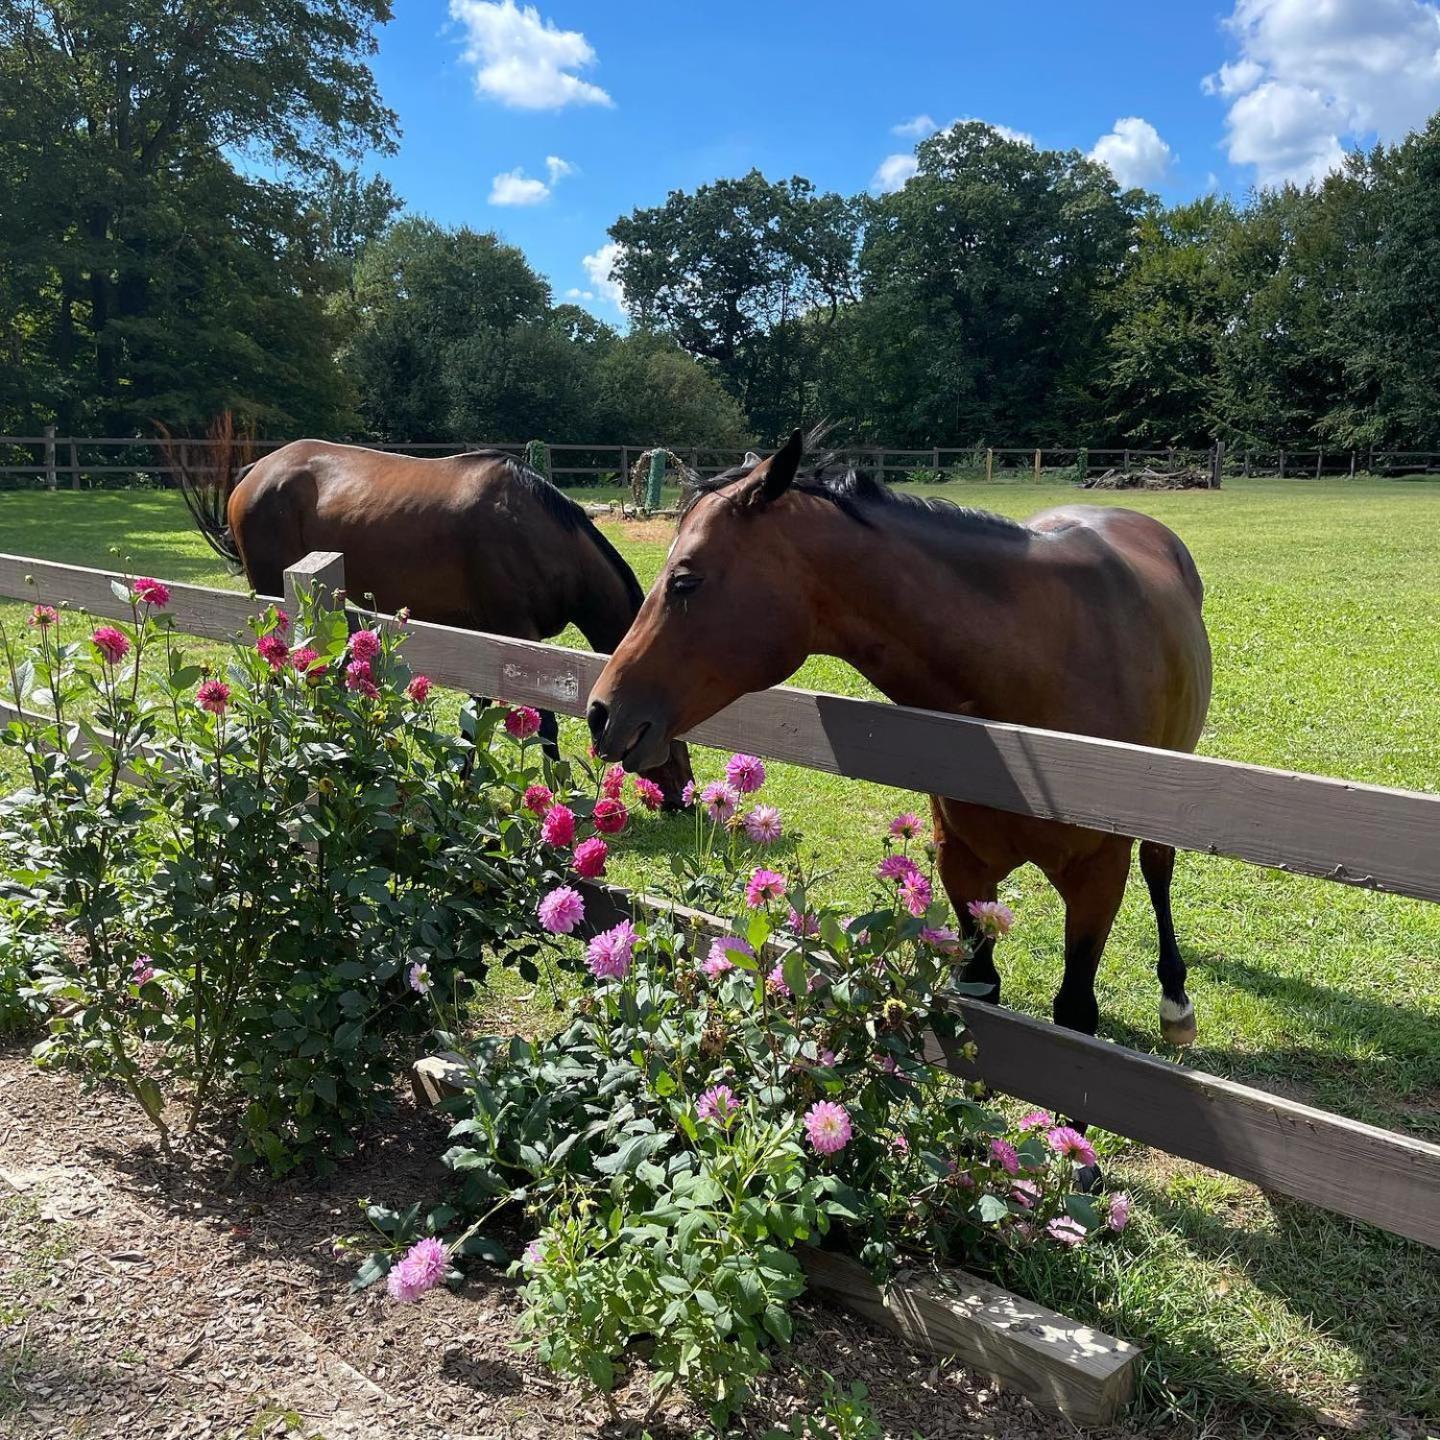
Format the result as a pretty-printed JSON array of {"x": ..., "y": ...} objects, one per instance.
[
  {"x": 1087, "y": 1179},
  {"x": 1177, "y": 1023}
]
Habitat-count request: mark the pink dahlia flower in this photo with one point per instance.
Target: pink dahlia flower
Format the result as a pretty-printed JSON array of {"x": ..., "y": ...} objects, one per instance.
[
  {"x": 610, "y": 816},
  {"x": 1071, "y": 1143},
  {"x": 111, "y": 643},
  {"x": 916, "y": 894},
  {"x": 1005, "y": 1156},
  {"x": 718, "y": 961},
  {"x": 610, "y": 952},
  {"x": 827, "y": 1125},
  {"x": 717, "y": 1105},
  {"x": 1068, "y": 1232},
  {"x": 273, "y": 650},
  {"x": 538, "y": 799},
  {"x": 423, "y": 1267},
  {"x": 213, "y": 695},
  {"x": 1117, "y": 1217},
  {"x": 762, "y": 825},
  {"x": 589, "y": 858},
  {"x": 993, "y": 918},
  {"x": 522, "y": 722},
  {"x": 720, "y": 801},
  {"x": 558, "y": 827},
  {"x": 561, "y": 910},
  {"x": 419, "y": 689},
  {"x": 764, "y": 886},
  {"x": 745, "y": 772},
  {"x": 906, "y": 826},
  {"x": 151, "y": 592},
  {"x": 896, "y": 868},
  {"x": 365, "y": 644},
  {"x": 651, "y": 795}
]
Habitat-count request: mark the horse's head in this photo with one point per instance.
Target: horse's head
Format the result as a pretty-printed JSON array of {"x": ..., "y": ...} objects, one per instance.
[{"x": 728, "y": 615}]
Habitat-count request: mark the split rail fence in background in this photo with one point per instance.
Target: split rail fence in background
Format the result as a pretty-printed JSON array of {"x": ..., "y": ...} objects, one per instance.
[
  {"x": 1354, "y": 834},
  {"x": 51, "y": 461}
]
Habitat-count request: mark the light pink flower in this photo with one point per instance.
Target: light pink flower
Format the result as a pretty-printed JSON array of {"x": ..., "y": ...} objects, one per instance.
[
  {"x": 282, "y": 620},
  {"x": 422, "y": 1268},
  {"x": 419, "y": 978},
  {"x": 610, "y": 952},
  {"x": 718, "y": 1105},
  {"x": 762, "y": 825},
  {"x": 358, "y": 676},
  {"x": 534, "y": 1255},
  {"x": 1005, "y": 1156},
  {"x": 900, "y": 1145},
  {"x": 1117, "y": 1217},
  {"x": 612, "y": 782},
  {"x": 896, "y": 868},
  {"x": 273, "y": 650},
  {"x": 1068, "y": 1232},
  {"x": 775, "y": 982},
  {"x": 111, "y": 643},
  {"x": 720, "y": 801},
  {"x": 1065, "y": 1141},
  {"x": 827, "y": 1059},
  {"x": 589, "y": 858},
  {"x": 651, "y": 795},
  {"x": 44, "y": 615},
  {"x": 522, "y": 722},
  {"x": 419, "y": 689},
  {"x": 558, "y": 826},
  {"x": 764, "y": 886},
  {"x": 828, "y": 1127},
  {"x": 142, "y": 970},
  {"x": 806, "y": 926},
  {"x": 610, "y": 816},
  {"x": 1037, "y": 1120},
  {"x": 941, "y": 938},
  {"x": 687, "y": 795},
  {"x": 538, "y": 799},
  {"x": 916, "y": 894},
  {"x": 906, "y": 826},
  {"x": 745, "y": 772},
  {"x": 364, "y": 644},
  {"x": 213, "y": 695},
  {"x": 993, "y": 918},
  {"x": 151, "y": 592},
  {"x": 1025, "y": 1193},
  {"x": 718, "y": 961},
  {"x": 561, "y": 910}
]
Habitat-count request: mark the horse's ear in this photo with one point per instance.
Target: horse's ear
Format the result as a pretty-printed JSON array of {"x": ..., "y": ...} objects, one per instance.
[{"x": 781, "y": 471}]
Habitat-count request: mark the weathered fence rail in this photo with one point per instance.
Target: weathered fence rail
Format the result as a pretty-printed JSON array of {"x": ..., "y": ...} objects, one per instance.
[
  {"x": 1364, "y": 835},
  {"x": 78, "y": 462}
]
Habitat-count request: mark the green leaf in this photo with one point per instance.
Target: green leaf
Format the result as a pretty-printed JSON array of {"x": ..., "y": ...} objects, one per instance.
[
  {"x": 993, "y": 1209},
  {"x": 324, "y": 1086},
  {"x": 486, "y": 1249},
  {"x": 376, "y": 1267},
  {"x": 1083, "y": 1209},
  {"x": 777, "y": 1322}
]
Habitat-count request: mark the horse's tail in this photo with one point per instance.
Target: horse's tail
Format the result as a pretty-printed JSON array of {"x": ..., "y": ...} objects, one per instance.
[{"x": 225, "y": 460}]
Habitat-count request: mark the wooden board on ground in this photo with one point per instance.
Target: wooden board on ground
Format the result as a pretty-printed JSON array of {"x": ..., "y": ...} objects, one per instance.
[
  {"x": 1061, "y": 1365},
  {"x": 434, "y": 1078}
]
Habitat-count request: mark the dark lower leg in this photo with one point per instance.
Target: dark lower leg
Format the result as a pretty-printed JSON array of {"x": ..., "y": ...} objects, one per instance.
[
  {"x": 550, "y": 735},
  {"x": 965, "y": 879},
  {"x": 1177, "y": 1014},
  {"x": 1092, "y": 890}
]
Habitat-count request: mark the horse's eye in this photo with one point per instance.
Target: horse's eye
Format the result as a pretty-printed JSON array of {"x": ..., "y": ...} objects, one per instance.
[{"x": 683, "y": 583}]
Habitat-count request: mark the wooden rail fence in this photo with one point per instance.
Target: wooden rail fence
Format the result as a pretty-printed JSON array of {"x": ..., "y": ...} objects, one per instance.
[{"x": 1364, "y": 835}]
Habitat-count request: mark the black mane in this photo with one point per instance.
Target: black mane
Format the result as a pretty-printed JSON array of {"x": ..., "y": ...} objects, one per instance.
[
  {"x": 861, "y": 496},
  {"x": 569, "y": 516}
]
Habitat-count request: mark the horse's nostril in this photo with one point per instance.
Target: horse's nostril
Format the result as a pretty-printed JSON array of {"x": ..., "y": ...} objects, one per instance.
[{"x": 596, "y": 717}]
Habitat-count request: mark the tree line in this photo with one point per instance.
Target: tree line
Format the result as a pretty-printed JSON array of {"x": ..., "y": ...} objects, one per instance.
[{"x": 185, "y": 231}]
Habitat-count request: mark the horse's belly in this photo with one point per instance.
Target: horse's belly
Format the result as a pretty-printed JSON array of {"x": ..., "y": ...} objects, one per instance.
[{"x": 1004, "y": 842}]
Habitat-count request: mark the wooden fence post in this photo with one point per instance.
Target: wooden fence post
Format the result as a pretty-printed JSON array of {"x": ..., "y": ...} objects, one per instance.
[
  {"x": 49, "y": 457},
  {"x": 935, "y": 459},
  {"x": 1169, "y": 459},
  {"x": 1037, "y": 464},
  {"x": 1352, "y": 464},
  {"x": 321, "y": 573},
  {"x": 1247, "y": 464},
  {"x": 74, "y": 466},
  {"x": 1282, "y": 464},
  {"x": 1217, "y": 463},
  {"x": 1125, "y": 463},
  {"x": 989, "y": 464},
  {"x": 1319, "y": 461},
  {"x": 624, "y": 465}
]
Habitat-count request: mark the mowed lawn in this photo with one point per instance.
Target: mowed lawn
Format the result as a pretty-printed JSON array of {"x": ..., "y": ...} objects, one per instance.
[{"x": 1323, "y": 601}]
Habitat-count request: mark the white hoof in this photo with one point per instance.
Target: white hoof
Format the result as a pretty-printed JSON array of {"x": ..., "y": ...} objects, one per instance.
[{"x": 1177, "y": 1022}]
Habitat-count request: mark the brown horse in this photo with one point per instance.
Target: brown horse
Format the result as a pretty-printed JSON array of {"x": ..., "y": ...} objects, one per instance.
[
  {"x": 1085, "y": 619},
  {"x": 478, "y": 541}
]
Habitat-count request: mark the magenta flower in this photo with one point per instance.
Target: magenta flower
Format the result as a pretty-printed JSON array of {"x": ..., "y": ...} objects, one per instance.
[
  {"x": 151, "y": 592},
  {"x": 419, "y": 689},
  {"x": 1068, "y": 1232},
  {"x": 422, "y": 1268},
  {"x": 561, "y": 910},
  {"x": 611, "y": 951},
  {"x": 44, "y": 615},
  {"x": 687, "y": 795},
  {"x": 1025, "y": 1193},
  {"x": 1118, "y": 1215},
  {"x": 273, "y": 650},
  {"x": 534, "y": 1256},
  {"x": 775, "y": 982},
  {"x": 610, "y": 816},
  {"x": 303, "y": 658},
  {"x": 899, "y": 1144},
  {"x": 359, "y": 678},
  {"x": 906, "y": 826},
  {"x": 1005, "y": 1156},
  {"x": 993, "y": 918},
  {"x": 589, "y": 858},
  {"x": 720, "y": 801},
  {"x": 896, "y": 868},
  {"x": 419, "y": 978},
  {"x": 282, "y": 620},
  {"x": 612, "y": 782},
  {"x": 1037, "y": 1120},
  {"x": 558, "y": 826},
  {"x": 762, "y": 825},
  {"x": 828, "y": 1127},
  {"x": 806, "y": 926},
  {"x": 522, "y": 722},
  {"x": 1071, "y": 1143},
  {"x": 213, "y": 695},
  {"x": 651, "y": 795},
  {"x": 827, "y": 1059},
  {"x": 916, "y": 894},
  {"x": 111, "y": 644},
  {"x": 941, "y": 938},
  {"x": 402, "y": 616},
  {"x": 364, "y": 644},
  {"x": 538, "y": 799},
  {"x": 717, "y": 1105},
  {"x": 745, "y": 772},
  {"x": 718, "y": 961},
  {"x": 142, "y": 970},
  {"x": 764, "y": 886}
]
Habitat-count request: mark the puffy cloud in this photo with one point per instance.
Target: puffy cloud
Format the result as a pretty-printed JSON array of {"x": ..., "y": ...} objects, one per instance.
[
  {"x": 600, "y": 268},
  {"x": 558, "y": 168},
  {"x": 515, "y": 187},
  {"x": 522, "y": 60},
  {"x": 1314, "y": 75},
  {"x": 1134, "y": 152},
  {"x": 916, "y": 129},
  {"x": 893, "y": 172}
]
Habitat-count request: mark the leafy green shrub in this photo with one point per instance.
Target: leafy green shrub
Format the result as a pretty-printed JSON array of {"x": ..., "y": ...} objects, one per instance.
[{"x": 264, "y": 868}]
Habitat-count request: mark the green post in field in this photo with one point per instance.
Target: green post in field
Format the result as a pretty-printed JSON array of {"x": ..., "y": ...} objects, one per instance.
[
  {"x": 657, "y": 480},
  {"x": 537, "y": 457}
]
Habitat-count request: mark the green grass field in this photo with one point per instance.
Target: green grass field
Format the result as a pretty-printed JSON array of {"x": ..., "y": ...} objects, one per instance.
[{"x": 1322, "y": 605}]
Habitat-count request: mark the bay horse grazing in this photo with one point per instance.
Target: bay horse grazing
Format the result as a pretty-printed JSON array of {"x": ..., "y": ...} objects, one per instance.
[
  {"x": 479, "y": 541},
  {"x": 1084, "y": 619}
]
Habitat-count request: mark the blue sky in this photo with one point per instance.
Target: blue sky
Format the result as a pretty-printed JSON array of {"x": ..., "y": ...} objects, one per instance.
[{"x": 546, "y": 123}]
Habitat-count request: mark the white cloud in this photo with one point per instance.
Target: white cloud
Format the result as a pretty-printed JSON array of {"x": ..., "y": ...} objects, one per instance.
[
  {"x": 558, "y": 168},
  {"x": 1022, "y": 137},
  {"x": 600, "y": 268},
  {"x": 575, "y": 293},
  {"x": 893, "y": 172},
  {"x": 916, "y": 129},
  {"x": 1315, "y": 76},
  {"x": 1134, "y": 152},
  {"x": 522, "y": 60},
  {"x": 515, "y": 187}
]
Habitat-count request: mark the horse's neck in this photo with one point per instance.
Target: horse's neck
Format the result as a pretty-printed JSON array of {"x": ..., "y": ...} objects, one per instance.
[{"x": 603, "y": 603}]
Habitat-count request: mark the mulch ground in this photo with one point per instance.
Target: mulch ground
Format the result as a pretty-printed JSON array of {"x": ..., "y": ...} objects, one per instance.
[{"x": 147, "y": 1297}]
